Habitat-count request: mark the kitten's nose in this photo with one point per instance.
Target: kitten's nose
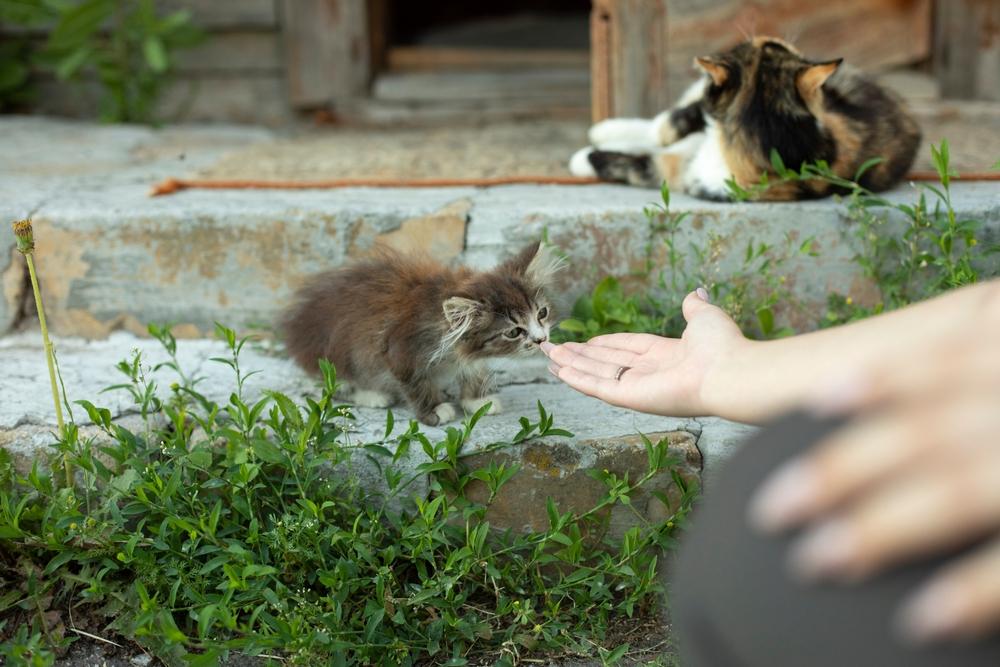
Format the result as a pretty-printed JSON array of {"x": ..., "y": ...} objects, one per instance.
[{"x": 539, "y": 341}]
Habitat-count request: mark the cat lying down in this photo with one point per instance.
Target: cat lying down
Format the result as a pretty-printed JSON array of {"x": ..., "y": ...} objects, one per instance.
[
  {"x": 759, "y": 96},
  {"x": 395, "y": 326}
]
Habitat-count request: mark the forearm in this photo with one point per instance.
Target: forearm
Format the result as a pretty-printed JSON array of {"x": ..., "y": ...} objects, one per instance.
[{"x": 761, "y": 379}]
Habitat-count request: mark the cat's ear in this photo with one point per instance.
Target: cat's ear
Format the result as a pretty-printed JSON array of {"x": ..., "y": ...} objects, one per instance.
[
  {"x": 713, "y": 68},
  {"x": 538, "y": 263},
  {"x": 812, "y": 78},
  {"x": 462, "y": 313}
]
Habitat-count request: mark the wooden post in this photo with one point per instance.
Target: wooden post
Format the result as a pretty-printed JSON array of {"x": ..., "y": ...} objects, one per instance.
[
  {"x": 967, "y": 48},
  {"x": 327, "y": 51},
  {"x": 628, "y": 42}
]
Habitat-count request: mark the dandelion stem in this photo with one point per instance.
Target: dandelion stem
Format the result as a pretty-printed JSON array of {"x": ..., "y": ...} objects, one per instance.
[{"x": 26, "y": 244}]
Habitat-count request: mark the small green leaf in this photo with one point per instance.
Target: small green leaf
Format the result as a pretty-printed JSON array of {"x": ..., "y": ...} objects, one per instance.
[{"x": 156, "y": 55}]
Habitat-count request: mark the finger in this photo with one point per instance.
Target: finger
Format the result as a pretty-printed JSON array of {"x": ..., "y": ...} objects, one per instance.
[
  {"x": 868, "y": 450},
  {"x": 695, "y": 303},
  {"x": 926, "y": 511},
  {"x": 589, "y": 366},
  {"x": 592, "y": 385},
  {"x": 960, "y": 602},
  {"x": 604, "y": 354},
  {"x": 630, "y": 342},
  {"x": 567, "y": 357}
]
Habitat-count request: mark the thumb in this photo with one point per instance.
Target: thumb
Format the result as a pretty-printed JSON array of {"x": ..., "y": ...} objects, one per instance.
[{"x": 695, "y": 303}]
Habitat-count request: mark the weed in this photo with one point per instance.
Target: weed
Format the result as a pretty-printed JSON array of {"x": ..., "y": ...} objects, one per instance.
[
  {"x": 125, "y": 44},
  {"x": 909, "y": 252},
  {"x": 748, "y": 293},
  {"x": 242, "y": 527}
]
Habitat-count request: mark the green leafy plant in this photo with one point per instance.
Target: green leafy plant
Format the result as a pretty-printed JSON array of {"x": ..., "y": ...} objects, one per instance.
[
  {"x": 749, "y": 292},
  {"x": 125, "y": 44},
  {"x": 241, "y": 526},
  {"x": 910, "y": 251}
]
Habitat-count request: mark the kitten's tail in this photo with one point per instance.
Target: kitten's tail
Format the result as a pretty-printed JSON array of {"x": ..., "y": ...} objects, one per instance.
[{"x": 631, "y": 168}]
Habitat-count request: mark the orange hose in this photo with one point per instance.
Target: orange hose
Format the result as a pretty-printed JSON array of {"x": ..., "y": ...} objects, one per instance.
[{"x": 172, "y": 185}]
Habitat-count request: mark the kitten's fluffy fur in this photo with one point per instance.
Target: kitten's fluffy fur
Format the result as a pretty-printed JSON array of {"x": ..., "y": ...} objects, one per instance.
[
  {"x": 399, "y": 327},
  {"x": 760, "y": 95}
]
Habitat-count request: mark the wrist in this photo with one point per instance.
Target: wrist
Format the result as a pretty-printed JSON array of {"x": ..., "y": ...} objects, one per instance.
[{"x": 728, "y": 389}]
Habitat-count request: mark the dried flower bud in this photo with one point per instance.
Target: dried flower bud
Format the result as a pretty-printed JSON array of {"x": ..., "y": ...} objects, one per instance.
[{"x": 25, "y": 236}]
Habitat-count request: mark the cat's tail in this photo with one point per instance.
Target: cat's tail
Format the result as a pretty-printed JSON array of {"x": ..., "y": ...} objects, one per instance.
[{"x": 632, "y": 168}]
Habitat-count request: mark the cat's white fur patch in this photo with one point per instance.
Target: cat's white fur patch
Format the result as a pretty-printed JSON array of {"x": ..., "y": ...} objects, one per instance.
[
  {"x": 579, "y": 164},
  {"x": 664, "y": 133},
  {"x": 368, "y": 398},
  {"x": 708, "y": 172},
  {"x": 635, "y": 132},
  {"x": 471, "y": 405},
  {"x": 694, "y": 92},
  {"x": 445, "y": 412}
]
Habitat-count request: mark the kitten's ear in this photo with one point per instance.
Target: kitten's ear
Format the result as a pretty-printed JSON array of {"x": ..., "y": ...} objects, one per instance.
[
  {"x": 713, "y": 68},
  {"x": 462, "y": 313},
  {"x": 812, "y": 78},
  {"x": 538, "y": 263}
]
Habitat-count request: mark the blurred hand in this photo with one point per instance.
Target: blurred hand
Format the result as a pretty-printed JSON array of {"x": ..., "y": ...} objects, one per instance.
[
  {"x": 665, "y": 376},
  {"x": 916, "y": 473}
]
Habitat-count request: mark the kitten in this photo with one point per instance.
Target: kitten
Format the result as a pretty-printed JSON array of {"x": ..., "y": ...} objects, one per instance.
[
  {"x": 397, "y": 326},
  {"x": 760, "y": 95}
]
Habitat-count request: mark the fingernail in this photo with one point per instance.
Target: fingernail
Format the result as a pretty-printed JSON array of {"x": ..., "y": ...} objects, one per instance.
[
  {"x": 554, "y": 369},
  {"x": 546, "y": 347},
  {"x": 933, "y": 613},
  {"x": 824, "y": 552},
  {"x": 840, "y": 396},
  {"x": 703, "y": 294},
  {"x": 784, "y": 497}
]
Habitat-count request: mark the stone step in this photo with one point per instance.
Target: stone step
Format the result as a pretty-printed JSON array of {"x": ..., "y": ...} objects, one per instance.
[
  {"x": 110, "y": 257},
  {"x": 604, "y": 437}
]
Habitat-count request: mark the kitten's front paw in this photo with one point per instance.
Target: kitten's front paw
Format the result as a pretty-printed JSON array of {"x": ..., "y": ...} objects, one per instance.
[
  {"x": 367, "y": 398},
  {"x": 441, "y": 414},
  {"x": 472, "y": 405}
]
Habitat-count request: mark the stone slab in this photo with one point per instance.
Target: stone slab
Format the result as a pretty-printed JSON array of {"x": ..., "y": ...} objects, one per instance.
[{"x": 110, "y": 257}]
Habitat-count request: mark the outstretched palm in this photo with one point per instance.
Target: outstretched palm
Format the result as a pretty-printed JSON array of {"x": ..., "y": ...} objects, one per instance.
[{"x": 665, "y": 375}]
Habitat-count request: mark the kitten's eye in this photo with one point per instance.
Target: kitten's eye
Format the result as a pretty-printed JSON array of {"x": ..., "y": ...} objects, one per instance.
[
  {"x": 543, "y": 313},
  {"x": 514, "y": 333}
]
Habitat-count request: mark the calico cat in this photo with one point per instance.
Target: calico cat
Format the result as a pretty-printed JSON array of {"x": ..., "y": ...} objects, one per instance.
[
  {"x": 758, "y": 96},
  {"x": 397, "y": 326}
]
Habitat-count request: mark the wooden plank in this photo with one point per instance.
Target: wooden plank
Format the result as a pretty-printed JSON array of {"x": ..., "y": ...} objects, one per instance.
[
  {"x": 425, "y": 57},
  {"x": 559, "y": 85},
  {"x": 629, "y": 56},
  {"x": 228, "y": 14},
  {"x": 327, "y": 51},
  {"x": 870, "y": 34},
  {"x": 210, "y": 15},
  {"x": 234, "y": 52},
  {"x": 258, "y": 99},
  {"x": 967, "y": 48}
]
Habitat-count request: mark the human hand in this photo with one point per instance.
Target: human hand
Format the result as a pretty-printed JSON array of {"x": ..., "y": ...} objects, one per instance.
[
  {"x": 664, "y": 375},
  {"x": 916, "y": 473}
]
